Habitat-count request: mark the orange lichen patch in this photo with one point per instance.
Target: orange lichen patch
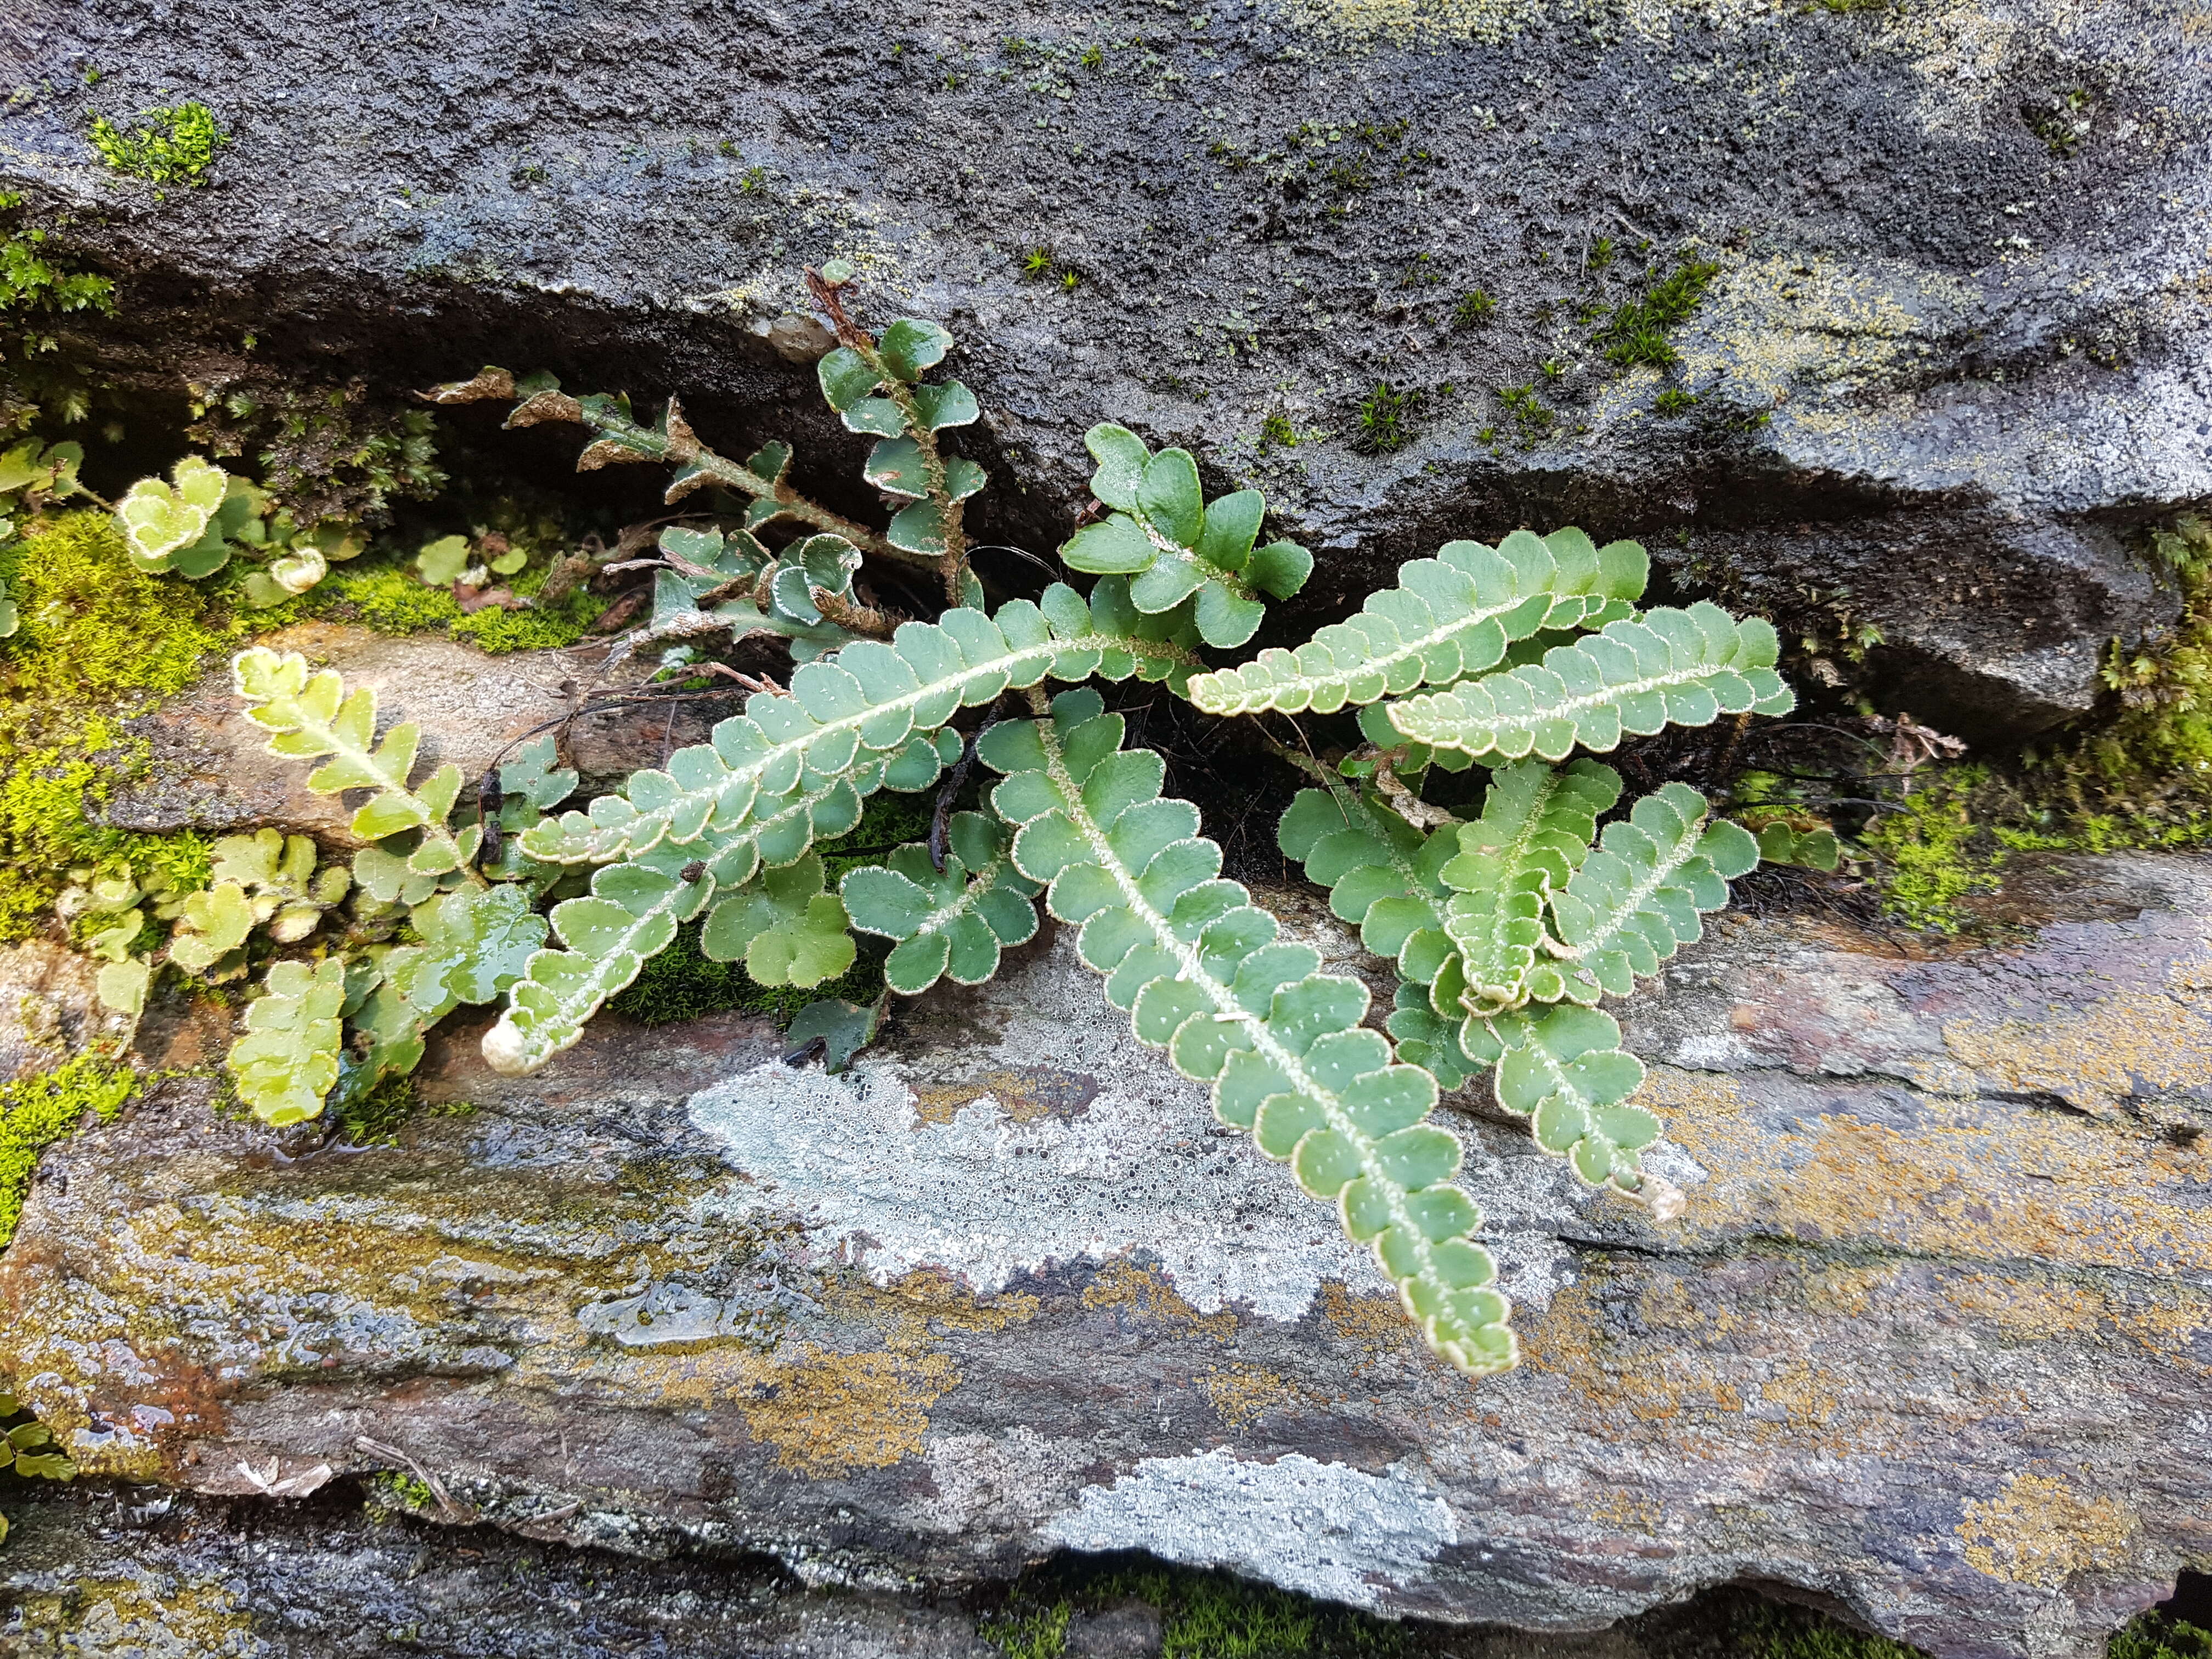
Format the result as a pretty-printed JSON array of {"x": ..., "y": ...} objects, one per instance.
[
  {"x": 1022, "y": 1093},
  {"x": 1122, "y": 1283},
  {"x": 2040, "y": 1531},
  {"x": 1623, "y": 1511},
  {"x": 1376, "y": 1321},
  {"x": 828, "y": 1414},
  {"x": 2040, "y": 1308},
  {"x": 1652, "y": 1383},
  {"x": 1808, "y": 1394},
  {"x": 929, "y": 1299},
  {"x": 2094, "y": 1060},
  {"x": 1998, "y": 1182},
  {"x": 1243, "y": 1394}
]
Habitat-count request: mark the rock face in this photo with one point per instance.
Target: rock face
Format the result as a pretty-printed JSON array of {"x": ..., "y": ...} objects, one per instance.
[
  {"x": 1953, "y": 352},
  {"x": 1927, "y": 1343},
  {"x": 209, "y": 769}
]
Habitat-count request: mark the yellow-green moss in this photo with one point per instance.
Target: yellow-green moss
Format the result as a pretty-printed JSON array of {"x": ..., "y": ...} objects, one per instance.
[
  {"x": 1933, "y": 851},
  {"x": 384, "y": 596},
  {"x": 99, "y": 642},
  {"x": 93, "y": 627},
  {"x": 37, "y": 1111},
  {"x": 2158, "y": 1636}
]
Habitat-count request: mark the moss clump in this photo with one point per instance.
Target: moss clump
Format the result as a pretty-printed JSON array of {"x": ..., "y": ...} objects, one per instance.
[
  {"x": 1932, "y": 850},
  {"x": 32, "y": 284},
  {"x": 1637, "y": 331},
  {"x": 1203, "y": 1615},
  {"x": 176, "y": 146},
  {"x": 1385, "y": 421},
  {"x": 37, "y": 1111},
  {"x": 2161, "y": 1635},
  {"x": 99, "y": 640},
  {"x": 95, "y": 628},
  {"x": 2158, "y": 749},
  {"x": 389, "y": 599}
]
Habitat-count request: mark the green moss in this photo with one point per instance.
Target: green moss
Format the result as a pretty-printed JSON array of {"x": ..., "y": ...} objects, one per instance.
[
  {"x": 380, "y": 594},
  {"x": 176, "y": 146},
  {"x": 34, "y": 284},
  {"x": 37, "y": 1111},
  {"x": 1203, "y": 1615},
  {"x": 2158, "y": 747},
  {"x": 1385, "y": 421},
  {"x": 95, "y": 627},
  {"x": 2158, "y": 1636},
  {"x": 1933, "y": 851},
  {"x": 99, "y": 641},
  {"x": 1029, "y": 1633},
  {"x": 1637, "y": 331}
]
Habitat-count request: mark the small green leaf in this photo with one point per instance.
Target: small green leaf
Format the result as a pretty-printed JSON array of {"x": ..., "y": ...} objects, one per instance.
[
  {"x": 1122, "y": 455},
  {"x": 785, "y": 927},
  {"x": 158, "y": 519},
  {"x": 842, "y": 1028},
  {"x": 287, "y": 1059},
  {"x": 846, "y": 378},
  {"x": 440, "y": 563},
  {"x": 1169, "y": 498},
  {"x": 910, "y": 345},
  {"x": 947, "y": 404}
]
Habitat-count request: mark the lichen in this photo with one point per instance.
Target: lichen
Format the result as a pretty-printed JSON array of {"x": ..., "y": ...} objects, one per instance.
[
  {"x": 2039, "y": 1530},
  {"x": 39, "y": 1110}
]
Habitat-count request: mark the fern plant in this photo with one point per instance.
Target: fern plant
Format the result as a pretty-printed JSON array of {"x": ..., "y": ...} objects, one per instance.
[{"x": 1505, "y": 929}]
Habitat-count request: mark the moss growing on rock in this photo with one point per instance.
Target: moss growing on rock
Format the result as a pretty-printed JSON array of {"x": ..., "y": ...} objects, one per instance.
[{"x": 39, "y": 1110}]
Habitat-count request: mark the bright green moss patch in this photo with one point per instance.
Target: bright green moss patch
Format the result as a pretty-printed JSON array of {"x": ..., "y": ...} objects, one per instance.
[
  {"x": 1638, "y": 329},
  {"x": 93, "y": 626},
  {"x": 1932, "y": 851},
  {"x": 1203, "y": 1615},
  {"x": 388, "y": 598},
  {"x": 37, "y": 1111},
  {"x": 175, "y": 145}
]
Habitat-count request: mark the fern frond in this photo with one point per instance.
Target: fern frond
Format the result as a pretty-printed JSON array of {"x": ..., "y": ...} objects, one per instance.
[
  {"x": 949, "y": 923},
  {"x": 1564, "y": 1069},
  {"x": 1449, "y": 616},
  {"x": 476, "y": 941},
  {"x": 1536, "y": 828},
  {"x": 314, "y": 717},
  {"x": 1177, "y": 545},
  {"x": 872, "y": 703},
  {"x": 1688, "y": 667},
  {"x": 632, "y": 913},
  {"x": 782, "y": 926},
  {"x": 1636, "y": 900},
  {"x": 1431, "y": 1040},
  {"x": 1202, "y": 974},
  {"x": 1383, "y": 875},
  {"x": 287, "y": 1059}
]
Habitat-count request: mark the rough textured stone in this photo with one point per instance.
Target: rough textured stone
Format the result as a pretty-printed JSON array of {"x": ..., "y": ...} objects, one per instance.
[
  {"x": 1926, "y": 1344},
  {"x": 1955, "y": 350},
  {"x": 210, "y": 770},
  {"x": 48, "y": 1008}
]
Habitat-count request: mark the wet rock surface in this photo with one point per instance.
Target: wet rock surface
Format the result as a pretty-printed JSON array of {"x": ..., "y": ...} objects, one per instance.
[
  {"x": 1954, "y": 352},
  {"x": 1928, "y": 1344}
]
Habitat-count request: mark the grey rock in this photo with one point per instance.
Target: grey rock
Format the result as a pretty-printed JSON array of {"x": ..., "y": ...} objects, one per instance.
[
  {"x": 209, "y": 769},
  {"x": 1131, "y": 1631},
  {"x": 1954, "y": 355},
  {"x": 1924, "y": 1346},
  {"x": 125, "y": 1577}
]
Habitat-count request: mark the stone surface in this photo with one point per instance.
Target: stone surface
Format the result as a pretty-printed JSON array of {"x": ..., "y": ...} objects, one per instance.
[
  {"x": 1955, "y": 350},
  {"x": 209, "y": 769},
  {"x": 1928, "y": 1344}
]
